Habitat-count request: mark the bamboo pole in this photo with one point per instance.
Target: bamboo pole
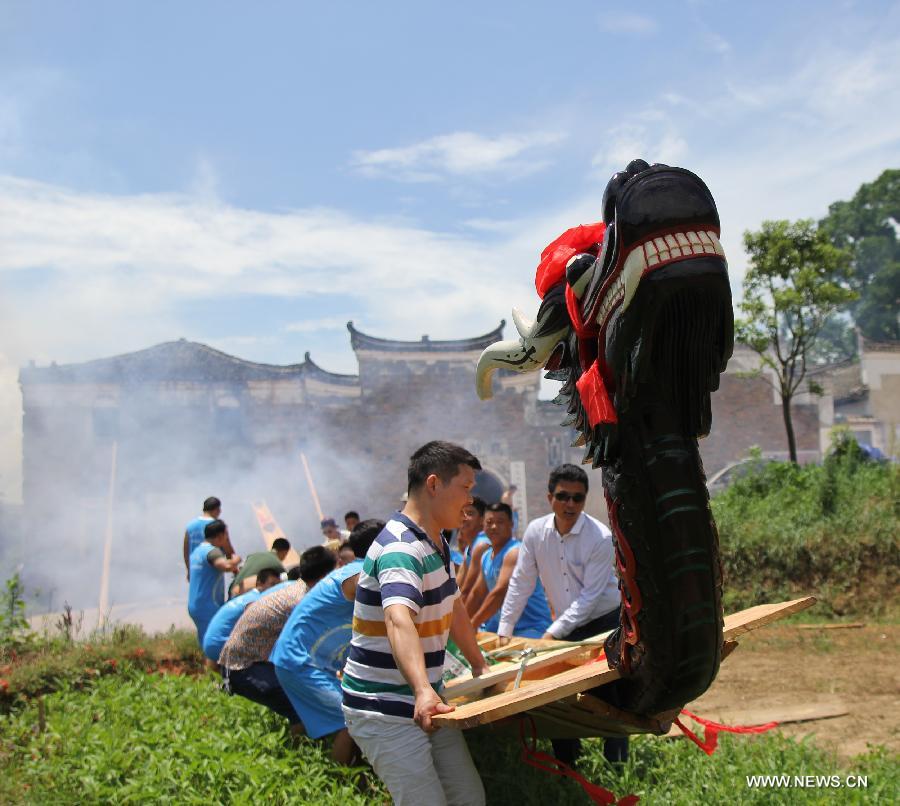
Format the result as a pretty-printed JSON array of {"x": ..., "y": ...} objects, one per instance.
[
  {"x": 107, "y": 547},
  {"x": 312, "y": 487}
]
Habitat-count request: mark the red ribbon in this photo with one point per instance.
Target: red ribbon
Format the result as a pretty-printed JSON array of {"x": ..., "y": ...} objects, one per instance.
[
  {"x": 552, "y": 268},
  {"x": 712, "y": 729},
  {"x": 544, "y": 761},
  {"x": 594, "y": 397}
]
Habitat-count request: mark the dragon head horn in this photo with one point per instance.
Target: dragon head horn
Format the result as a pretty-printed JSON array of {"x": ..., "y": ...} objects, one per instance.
[{"x": 525, "y": 354}]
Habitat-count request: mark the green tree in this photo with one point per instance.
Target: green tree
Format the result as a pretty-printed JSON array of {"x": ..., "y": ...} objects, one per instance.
[
  {"x": 868, "y": 226},
  {"x": 796, "y": 279}
]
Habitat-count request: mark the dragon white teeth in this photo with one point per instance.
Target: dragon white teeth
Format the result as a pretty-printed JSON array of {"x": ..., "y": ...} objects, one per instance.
[
  {"x": 651, "y": 253},
  {"x": 716, "y": 245},
  {"x": 632, "y": 271}
]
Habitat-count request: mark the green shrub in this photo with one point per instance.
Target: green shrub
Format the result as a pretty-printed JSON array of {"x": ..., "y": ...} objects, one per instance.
[
  {"x": 50, "y": 663},
  {"x": 137, "y": 738},
  {"x": 829, "y": 529}
]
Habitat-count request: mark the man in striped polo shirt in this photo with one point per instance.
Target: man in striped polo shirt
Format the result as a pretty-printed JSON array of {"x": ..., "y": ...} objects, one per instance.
[{"x": 406, "y": 605}]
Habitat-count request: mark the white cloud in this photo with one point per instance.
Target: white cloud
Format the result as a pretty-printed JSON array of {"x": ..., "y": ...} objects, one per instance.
[
  {"x": 655, "y": 141},
  {"x": 317, "y": 325},
  {"x": 458, "y": 154},
  {"x": 624, "y": 22}
]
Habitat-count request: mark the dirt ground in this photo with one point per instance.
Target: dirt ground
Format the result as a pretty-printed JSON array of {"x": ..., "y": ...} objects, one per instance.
[{"x": 785, "y": 666}]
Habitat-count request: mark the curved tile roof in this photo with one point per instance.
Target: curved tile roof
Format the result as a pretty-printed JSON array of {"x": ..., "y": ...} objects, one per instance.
[
  {"x": 362, "y": 341},
  {"x": 180, "y": 360}
]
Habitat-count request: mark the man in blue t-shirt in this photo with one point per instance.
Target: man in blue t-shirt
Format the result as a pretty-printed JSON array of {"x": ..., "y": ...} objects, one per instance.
[
  {"x": 208, "y": 564},
  {"x": 193, "y": 532},
  {"x": 497, "y": 565},
  {"x": 472, "y": 543},
  {"x": 314, "y": 643},
  {"x": 228, "y": 614}
]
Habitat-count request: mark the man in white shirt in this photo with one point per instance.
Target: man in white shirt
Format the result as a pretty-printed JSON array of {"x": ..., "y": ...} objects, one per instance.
[{"x": 573, "y": 555}]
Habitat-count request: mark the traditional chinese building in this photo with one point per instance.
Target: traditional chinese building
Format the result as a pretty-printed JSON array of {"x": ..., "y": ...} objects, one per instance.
[{"x": 189, "y": 421}]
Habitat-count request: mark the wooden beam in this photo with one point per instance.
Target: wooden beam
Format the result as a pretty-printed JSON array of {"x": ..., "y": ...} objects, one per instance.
[
  {"x": 538, "y": 693},
  {"x": 631, "y": 723},
  {"x": 755, "y": 617},
  {"x": 465, "y": 685},
  {"x": 582, "y": 678},
  {"x": 854, "y": 626}
]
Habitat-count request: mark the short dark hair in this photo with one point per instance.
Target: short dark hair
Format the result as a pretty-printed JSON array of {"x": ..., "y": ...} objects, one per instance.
[
  {"x": 211, "y": 503},
  {"x": 499, "y": 507},
  {"x": 266, "y": 574},
  {"x": 351, "y": 514},
  {"x": 280, "y": 544},
  {"x": 214, "y": 529},
  {"x": 315, "y": 563},
  {"x": 293, "y": 573},
  {"x": 440, "y": 458},
  {"x": 363, "y": 536},
  {"x": 479, "y": 504},
  {"x": 567, "y": 472}
]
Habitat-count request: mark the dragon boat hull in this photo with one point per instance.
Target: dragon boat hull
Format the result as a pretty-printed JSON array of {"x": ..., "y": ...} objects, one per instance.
[{"x": 560, "y": 685}]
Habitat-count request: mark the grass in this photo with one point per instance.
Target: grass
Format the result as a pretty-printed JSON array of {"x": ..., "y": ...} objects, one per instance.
[
  {"x": 134, "y": 737},
  {"x": 830, "y": 530},
  {"x": 35, "y": 665}
]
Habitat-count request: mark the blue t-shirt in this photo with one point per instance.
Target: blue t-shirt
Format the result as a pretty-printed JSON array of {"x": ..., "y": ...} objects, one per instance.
[
  {"x": 223, "y": 622},
  {"x": 196, "y": 532},
  {"x": 319, "y": 629},
  {"x": 206, "y": 592},
  {"x": 535, "y": 617},
  {"x": 480, "y": 538}
]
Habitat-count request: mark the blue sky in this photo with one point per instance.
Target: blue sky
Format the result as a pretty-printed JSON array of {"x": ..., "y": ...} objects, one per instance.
[{"x": 253, "y": 175}]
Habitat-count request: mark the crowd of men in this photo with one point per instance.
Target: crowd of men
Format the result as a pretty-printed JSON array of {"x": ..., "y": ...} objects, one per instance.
[{"x": 350, "y": 644}]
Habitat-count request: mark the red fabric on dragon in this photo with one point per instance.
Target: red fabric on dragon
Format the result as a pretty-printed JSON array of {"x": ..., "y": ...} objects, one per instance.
[{"x": 636, "y": 320}]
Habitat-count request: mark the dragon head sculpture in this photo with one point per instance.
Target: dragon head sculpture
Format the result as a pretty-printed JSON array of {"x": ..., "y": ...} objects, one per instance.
[{"x": 636, "y": 321}]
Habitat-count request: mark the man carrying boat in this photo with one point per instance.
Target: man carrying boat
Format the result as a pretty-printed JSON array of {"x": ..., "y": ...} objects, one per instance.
[
  {"x": 497, "y": 565},
  {"x": 407, "y": 605},
  {"x": 206, "y": 586},
  {"x": 313, "y": 646},
  {"x": 573, "y": 555}
]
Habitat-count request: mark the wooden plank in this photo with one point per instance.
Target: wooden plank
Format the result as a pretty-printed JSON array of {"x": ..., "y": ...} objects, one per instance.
[
  {"x": 465, "y": 685},
  {"x": 629, "y": 723},
  {"x": 854, "y": 626},
  {"x": 588, "y": 676},
  {"x": 538, "y": 693},
  {"x": 755, "y": 617},
  {"x": 783, "y": 715}
]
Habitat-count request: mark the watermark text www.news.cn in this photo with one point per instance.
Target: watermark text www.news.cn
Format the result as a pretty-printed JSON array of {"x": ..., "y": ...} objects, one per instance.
[{"x": 807, "y": 781}]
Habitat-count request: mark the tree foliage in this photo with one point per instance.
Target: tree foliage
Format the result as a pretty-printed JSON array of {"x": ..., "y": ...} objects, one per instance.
[
  {"x": 796, "y": 280},
  {"x": 868, "y": 227}
]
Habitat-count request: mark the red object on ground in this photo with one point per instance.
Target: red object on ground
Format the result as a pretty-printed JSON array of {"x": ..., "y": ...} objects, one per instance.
[
  {"x": 544, "y": 761},
  {"x": 712, "y": 729},
  {"x": 552, "y": 268}
]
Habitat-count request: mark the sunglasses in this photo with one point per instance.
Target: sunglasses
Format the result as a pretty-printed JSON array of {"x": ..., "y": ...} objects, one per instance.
[{"x": 576, "y": 497}]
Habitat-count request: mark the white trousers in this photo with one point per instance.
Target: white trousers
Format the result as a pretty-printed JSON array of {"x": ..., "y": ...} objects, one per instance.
[{"x": 418, "y": 768}]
